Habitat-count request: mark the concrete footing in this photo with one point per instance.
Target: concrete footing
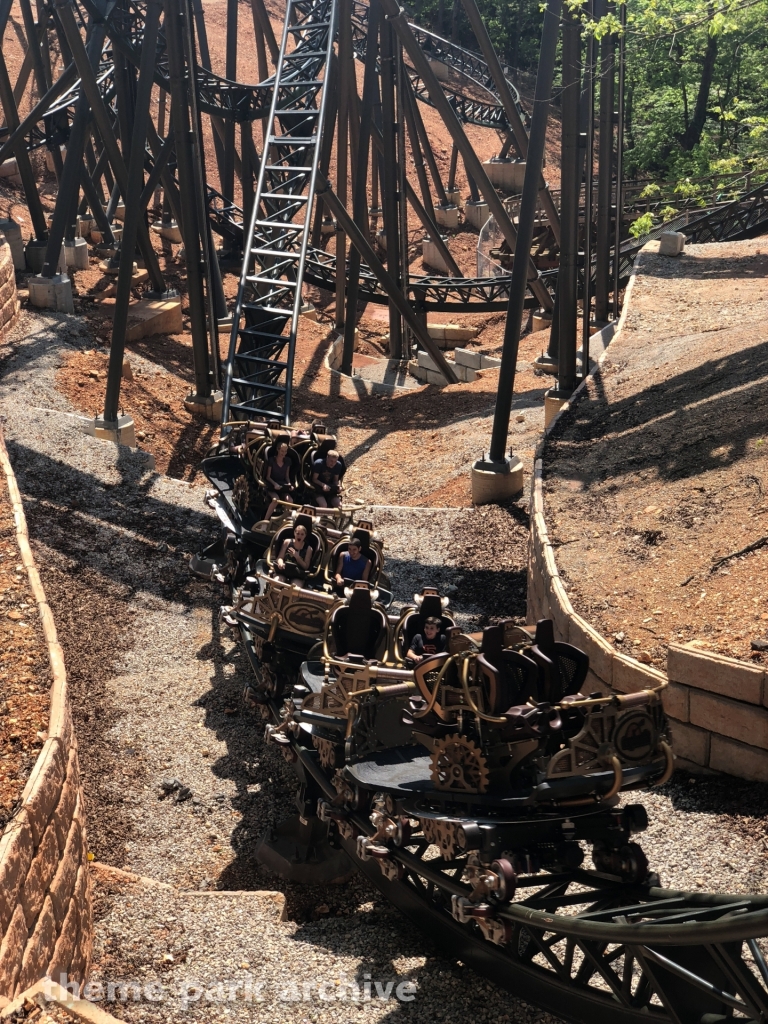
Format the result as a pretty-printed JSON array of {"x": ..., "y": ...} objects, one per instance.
[
  {"x": 52, "y": 293},
  {"x": 671, "y": 243},
  {"x": 34, "y": 255},
  {"x": 453, "y": 195},
  {"x": 432, "y": 256},
  {"x": 76, "y": 254},
  {"x": 554, "y": 401},
  {"x": 210, "y": 407},
  {"x": 541, "y": 320},
  {"x": 496, "y": 481},
  {"x": 508, "y": 175},
  {"x": 447, "y": 216},
  {"x": 476, "y": 213},
  {"x": 121, "y": 430},
  {"x": 169, "y": 231}
]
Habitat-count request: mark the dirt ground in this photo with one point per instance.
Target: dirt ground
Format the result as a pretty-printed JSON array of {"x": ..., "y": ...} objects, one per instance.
[
  {"x": 659, "y": 482},
  {"x": 25, "y": 676}
]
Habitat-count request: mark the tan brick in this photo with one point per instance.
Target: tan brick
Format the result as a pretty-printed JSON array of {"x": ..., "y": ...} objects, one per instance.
[
  {"x": 560, "y": 608},
  {"x": 41, "y": 871},
  {"x": 41, "y": 794},
  {"x": 550, "y": 564},
  {"x": 715, "y": 673},
  {"x": 60, "y": 722},
  {"x": 39, "y": 949},
  {"x": 539, "y": 540},
  {"x": 739, "y": 759},
  {"x": 11, "y": 952},
  {"x": 675, "y": 701},
  {"x": 629, "y": 675},
  {"x": 730, "y": 718},
  {"x": 690, "y": 743},
  {"x": 65, "y": 809},
  {"x": 66, "y": 942},
  {"x": 17, "y": 848},
  {"x": 600, "y": 654},
  {"x": 83, "y": 895},
  {"x": 63, "y": 884}
]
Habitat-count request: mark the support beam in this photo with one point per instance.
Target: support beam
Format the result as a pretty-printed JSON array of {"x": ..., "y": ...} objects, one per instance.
[
  {"x": 518, "y": 284},
  {"x": 396, "y": 296},
  {"x": 604, "y": 170},
  {"x": 510, "y": 108},
  {"x": 134, "y": 213},
  {"x": 472, "y": 162}
]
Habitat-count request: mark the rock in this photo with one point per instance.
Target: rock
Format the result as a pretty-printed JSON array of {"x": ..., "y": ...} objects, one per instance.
[
  {"x": 182, "y": 794},
  {"x": 759, "y": 645},
  {"x": 170, "y": 785}
]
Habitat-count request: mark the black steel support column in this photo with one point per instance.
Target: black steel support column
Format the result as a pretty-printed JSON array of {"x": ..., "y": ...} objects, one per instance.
[
  {"x": 189, "y": 225},
  {"x": 619, "y": 163},
  {"x": 102, "y": 121},
  {"x": 390, "y": 191},
  {"x": 510, "y": 108},
  {"x": 604, "y": 171},
  {"x": 569, "y": 204},
  {"x": 360, "y": 196},
  {"x": 22, "y": 156},
  {"x": 133, "y": 211},
  {"x": 69, "y": 182},
  {"x": 228, "y": 179},
  {"x": 589, "y": 90},
  {"x": 519, "y": 282}
]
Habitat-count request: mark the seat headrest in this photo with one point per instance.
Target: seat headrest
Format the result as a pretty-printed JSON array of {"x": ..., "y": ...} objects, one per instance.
[
  {"x": 305, "y": 521},
  {"x": 364, "y": 537},
  {"x": 431, "y": 605},
  {"x": 324, "y": 447},
  {"x": 493, "y": 644},
  {"x": 360, "y": 597},
  {"x": 545, "y": 637}
]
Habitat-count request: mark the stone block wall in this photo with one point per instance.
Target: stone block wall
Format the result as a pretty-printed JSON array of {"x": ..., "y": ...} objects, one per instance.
[
  {"x": 9, "y": 299},
  {"x": 46, "y": 919},
  {"x": 717, "y": 706}
]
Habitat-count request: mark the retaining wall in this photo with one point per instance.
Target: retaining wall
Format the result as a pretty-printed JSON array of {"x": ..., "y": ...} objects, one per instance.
[
  {"x": 717, "y": 706},
  {"x": 46, "y": 919},
  {"x": 9, "y": 299}
]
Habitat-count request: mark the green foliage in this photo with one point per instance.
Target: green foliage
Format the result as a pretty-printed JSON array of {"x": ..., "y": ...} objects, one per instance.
[
  {"x": 641, "y": 226},
  {"x": 668, "y": 46}
]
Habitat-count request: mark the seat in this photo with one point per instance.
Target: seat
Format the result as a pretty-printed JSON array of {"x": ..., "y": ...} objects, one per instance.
[
  {"x": 562, "y": 667},
  {"x": 363, "y": 534},
  {"x": 270, "y": 450},
  {"x": 517, "y": 675},
  {"x": 357, "y": 627},
  {"x": 328, "y": 444},
  {"x": 429, "y": 605},
  {"x": 313, "y": 540}
]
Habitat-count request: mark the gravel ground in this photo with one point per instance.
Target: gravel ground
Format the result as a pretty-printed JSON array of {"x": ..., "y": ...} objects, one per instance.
[{"x": 156, "y": 689}]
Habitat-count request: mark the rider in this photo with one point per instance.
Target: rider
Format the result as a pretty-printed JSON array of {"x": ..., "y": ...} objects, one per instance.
[
  {"x": 326, "y": 480},
  {"x": 278, "y": 478},
  {"x": 430, "y": 642},
  {"x": 352, "y": 564},
  {"x": 296, "y": 548}
]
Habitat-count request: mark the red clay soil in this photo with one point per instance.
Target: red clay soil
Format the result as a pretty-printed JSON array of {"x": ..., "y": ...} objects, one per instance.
[
  {"x": 25, "y": 675},
  {"x": 658, "y": 485}
]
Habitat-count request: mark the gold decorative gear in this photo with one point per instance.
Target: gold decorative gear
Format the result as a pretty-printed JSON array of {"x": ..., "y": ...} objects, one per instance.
[
  {"x": 442, "y": 834},
  {"x": 241, "y": 494},
  {"x": 458, "y": 764},
  {"x": 327, "y": 751}
]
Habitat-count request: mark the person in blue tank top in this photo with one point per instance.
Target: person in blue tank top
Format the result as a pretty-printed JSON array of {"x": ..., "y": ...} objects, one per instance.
[{"x": 352, "y": 564}]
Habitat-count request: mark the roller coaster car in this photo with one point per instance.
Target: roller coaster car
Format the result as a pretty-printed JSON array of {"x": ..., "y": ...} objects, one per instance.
[
  {"x": 513, "y": 734},
  {"x": 235, "y": 467}
]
